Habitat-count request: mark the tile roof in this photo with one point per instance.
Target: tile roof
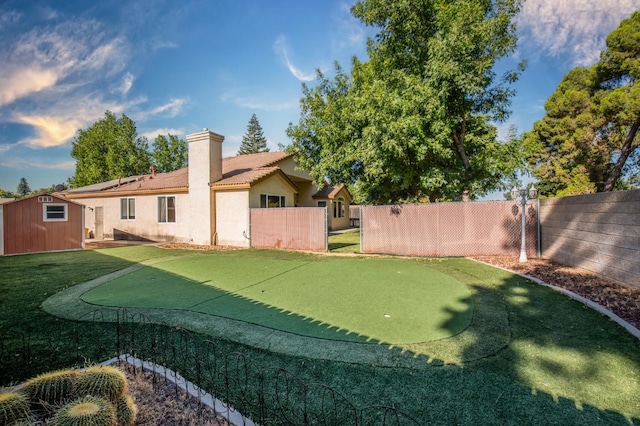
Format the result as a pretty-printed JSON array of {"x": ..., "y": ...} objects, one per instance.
[
  {"x": 330, "y": 192},
  {"x": 245, "y": 177},
  {"x": 252, "y": 161},
  {"x": 177, "y": 179},
  {"x": 102, "y": 186},
  {"x": 238, "y": 170}
]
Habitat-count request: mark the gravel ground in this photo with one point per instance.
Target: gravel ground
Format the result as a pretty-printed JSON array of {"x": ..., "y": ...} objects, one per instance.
[
  {"x": 160, "y": 404},
  {"x": 622, "y": 300}
]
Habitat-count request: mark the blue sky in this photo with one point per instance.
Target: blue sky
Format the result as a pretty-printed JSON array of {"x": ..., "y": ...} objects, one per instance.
[{"x": 180, "y": 66}]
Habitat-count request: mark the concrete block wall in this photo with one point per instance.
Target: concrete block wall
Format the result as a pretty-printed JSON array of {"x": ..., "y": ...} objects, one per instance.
[{"x": 597, "y": 232}]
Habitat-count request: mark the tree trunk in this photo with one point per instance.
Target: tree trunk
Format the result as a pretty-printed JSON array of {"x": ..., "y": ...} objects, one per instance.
[
  {"x": 458, "y": 142},
  {"x": 626, "y": 150}
]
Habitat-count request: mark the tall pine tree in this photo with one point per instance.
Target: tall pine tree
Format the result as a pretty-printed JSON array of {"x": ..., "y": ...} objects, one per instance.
[
  {"x": 253, "y": 141},
  {"x": 23, "y": 187}
]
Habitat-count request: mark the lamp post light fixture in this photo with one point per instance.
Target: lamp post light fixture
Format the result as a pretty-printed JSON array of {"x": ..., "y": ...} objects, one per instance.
[{"x": 523, "y": 195}]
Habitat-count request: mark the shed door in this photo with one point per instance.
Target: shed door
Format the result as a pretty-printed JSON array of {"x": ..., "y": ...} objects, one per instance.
[{"x": 99, "y": 224}]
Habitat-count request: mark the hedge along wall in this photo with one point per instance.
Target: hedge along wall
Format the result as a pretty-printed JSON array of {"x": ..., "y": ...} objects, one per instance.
[{"x": 598, "y": 232}]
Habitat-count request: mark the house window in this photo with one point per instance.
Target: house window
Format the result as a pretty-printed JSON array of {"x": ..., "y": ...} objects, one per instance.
[
  {"x": 166, "y": 209},
  {"x": 338, "y": 207},
  {"x": 322, "y": 204},
  {"x": 127, "y": 208},
  {"x": 55, "y": 212},
  {"x": 270, "y": 201}
]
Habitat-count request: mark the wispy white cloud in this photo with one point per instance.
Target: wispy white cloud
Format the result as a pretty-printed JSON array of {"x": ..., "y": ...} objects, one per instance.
[
  {"x": 348, "y": 32},
  {"x": 574, "y": 30},
  {"x": 26, "y": 164},
  {"x": 173, "y": 107},
  {"x": 8, "y": 18},
  {"x": 44, "y": 57},
  {"x": 259, "y": 104},
  {"x": 163, "y": 44},
  {"x": 127, "y": 83},
  {"x": 19, "y": 82},
  {"x": 58, "y": 123},
  {"x": 281, "y": 49},
  {"x": 152, "y": 134}
]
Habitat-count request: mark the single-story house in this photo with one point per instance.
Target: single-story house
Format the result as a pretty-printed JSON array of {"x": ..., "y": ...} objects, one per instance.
[
  {"x": 40, "y": 223},
  {"x": 207, "y": 202}
]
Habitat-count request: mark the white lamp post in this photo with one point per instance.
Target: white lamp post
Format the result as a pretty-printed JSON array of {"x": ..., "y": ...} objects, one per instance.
[{"x": 523, "y": 196}]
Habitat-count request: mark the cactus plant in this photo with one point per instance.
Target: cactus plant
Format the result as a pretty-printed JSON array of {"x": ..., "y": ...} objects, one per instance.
[
  {"x": 52, "y": 388},
  {"x": 14, "y": 406},
  {"x": 86, "y": 411},
  {"x": 102, "y": 381},
  {"x": 126, "y": 411}
]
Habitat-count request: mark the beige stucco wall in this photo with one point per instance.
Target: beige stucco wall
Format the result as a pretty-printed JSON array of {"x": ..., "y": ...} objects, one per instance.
[
  {"x": 205, "y": 167},
  {"x": 274, "y": 185},
  {"x": 288, "y": 166},
  {"x": 232, "y": 218},
  {"x": 306, "y": 190},
  {"x": 336, "y": 223},
  {"x": 145, "y": 224}
]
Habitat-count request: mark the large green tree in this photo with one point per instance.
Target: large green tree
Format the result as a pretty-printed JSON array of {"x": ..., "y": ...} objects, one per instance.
[
  {"x": 109, "y": 149},
  {"x": 253, "y": 141},
  {"x": 169, "y": 154},
  {"x": 415, "y": 120},
  {"x": 588, "y": 139}
]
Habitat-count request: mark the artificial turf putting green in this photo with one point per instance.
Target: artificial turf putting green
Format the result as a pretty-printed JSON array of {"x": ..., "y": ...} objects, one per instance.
[{"x": 393, "y": 301}]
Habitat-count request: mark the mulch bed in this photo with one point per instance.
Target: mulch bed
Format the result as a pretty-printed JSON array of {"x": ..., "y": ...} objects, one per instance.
[{"x": 622, "y": 300}]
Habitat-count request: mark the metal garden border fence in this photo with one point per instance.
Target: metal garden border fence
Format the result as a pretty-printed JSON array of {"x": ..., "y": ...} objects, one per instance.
[{"x": 267, "y": 395}]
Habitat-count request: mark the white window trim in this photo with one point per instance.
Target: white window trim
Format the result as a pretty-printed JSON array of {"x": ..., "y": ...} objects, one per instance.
[
  {"x": 65, "y": 210},
  {"x": 166, "y": 209},
  {"x": 128, "y": 212},
  {"x": 322, "y": 201}
]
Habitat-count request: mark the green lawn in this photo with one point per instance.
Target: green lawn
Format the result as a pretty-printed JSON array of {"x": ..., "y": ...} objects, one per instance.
[
  {"x": 392, "y": 301},
  {"x": 346, "y": 242},
  {"x": 528, "y": 355}
]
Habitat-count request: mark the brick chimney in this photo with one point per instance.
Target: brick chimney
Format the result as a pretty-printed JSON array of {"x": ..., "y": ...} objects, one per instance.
[{"x": 205, "y": 168}]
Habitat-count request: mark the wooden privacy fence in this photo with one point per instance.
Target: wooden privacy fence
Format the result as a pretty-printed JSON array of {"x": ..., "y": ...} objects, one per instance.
[
  {"x": 447, "y": 229},
  {"x": 289, "y": 228}
]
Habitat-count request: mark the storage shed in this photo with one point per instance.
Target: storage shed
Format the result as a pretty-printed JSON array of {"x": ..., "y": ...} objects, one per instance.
[{"x": 41, "y": 223}]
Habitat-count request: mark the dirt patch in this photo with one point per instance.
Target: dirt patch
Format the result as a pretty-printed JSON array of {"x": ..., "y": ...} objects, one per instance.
[{"x": 621, "y": 300}]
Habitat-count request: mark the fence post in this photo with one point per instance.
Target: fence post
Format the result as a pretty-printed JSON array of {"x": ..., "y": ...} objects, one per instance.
[
  {"x": 326, "y": 228},
  {"x": 361, "y": 207},
  {"x": 538, "y": 241},
  {"x": 250, "y": 243}
]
